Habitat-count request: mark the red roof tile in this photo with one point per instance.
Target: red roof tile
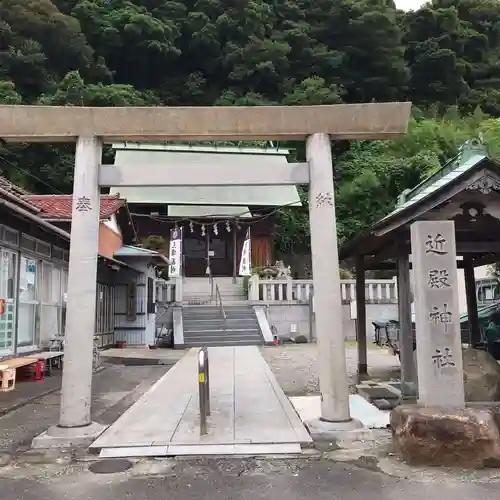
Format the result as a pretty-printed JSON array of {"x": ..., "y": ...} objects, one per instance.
[
  {"x": 9, "y": 186},
  {"x": 58, "y": 206},
  {"x": 16, "y": 194}
]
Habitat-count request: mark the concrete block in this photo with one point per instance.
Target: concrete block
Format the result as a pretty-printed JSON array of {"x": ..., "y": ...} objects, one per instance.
[
  {"x": 63, "y": 437},
  {"x": 342, "y": 434}
]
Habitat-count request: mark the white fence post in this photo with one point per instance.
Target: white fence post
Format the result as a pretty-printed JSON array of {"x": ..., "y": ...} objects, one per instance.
[
  {"x": 254, "y": 287},
  {"x": 178, "y": 289},
  {"x": 289, "y": 290}
]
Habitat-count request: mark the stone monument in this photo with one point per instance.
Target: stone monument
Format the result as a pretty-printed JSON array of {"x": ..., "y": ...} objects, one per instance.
[
  {"x": 440, "y": 430},
  {"x": 437, "y": 316}
]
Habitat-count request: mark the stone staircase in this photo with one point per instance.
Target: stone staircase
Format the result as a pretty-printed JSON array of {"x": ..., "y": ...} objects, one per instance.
[
  {"x": 197, "y": 291},
  {"x": 202, "y": 322},
  {"x": 203, "y": 325}
]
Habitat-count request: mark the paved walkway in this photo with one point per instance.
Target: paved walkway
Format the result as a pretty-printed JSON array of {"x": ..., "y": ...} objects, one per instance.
[
  {"x": 132, "y": 356},
  {"x": 249, "y": 412},
  {"x": 27, "y": 391}
]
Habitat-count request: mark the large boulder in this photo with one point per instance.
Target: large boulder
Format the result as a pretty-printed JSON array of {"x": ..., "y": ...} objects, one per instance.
[
  {"x": 481, "y": 375},
  {"x": 466, "y": 437}
]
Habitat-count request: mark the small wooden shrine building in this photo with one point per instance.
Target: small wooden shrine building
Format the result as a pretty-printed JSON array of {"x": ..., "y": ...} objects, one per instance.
[
  {"x": 214, "y": 219},
  {"x": 466, "y": 190}
]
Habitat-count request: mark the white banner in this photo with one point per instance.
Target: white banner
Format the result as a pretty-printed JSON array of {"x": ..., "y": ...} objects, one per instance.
[
  {"x": 175, "y": 253},
  {"x": 246, "y": 257},
  {"x": 353, "y": 309}
]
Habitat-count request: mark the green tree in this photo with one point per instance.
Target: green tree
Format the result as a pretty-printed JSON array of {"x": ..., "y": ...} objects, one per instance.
[
  {"x": 9, "y": 94},
  {"x": 364, "y": 196},
  {"x": 445, "y": 57},
  {"x": 435, "y": 48},
  {"x": 72, "y": 90},
  {"x": 314, "y": 90},
  {"x": 39, "y": 45},
  {"x": 138, "y": 44},
  {"x": 365, "y": 47},
  {"x": 453, "y": 52}
]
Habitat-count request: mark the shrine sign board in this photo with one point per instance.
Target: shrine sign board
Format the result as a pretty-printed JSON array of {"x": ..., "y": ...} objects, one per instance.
[{"x": 437, "y": 316}]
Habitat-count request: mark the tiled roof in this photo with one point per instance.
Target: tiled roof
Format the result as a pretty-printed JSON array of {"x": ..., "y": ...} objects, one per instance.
[
  {"x": 8, "y": 186},
  {"x": 471, "y": 153},
  {"x": 58, "y": 206},
  {"x": 16, "y": 194}
]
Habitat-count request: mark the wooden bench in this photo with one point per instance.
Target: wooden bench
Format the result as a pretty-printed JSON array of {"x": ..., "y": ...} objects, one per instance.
[
  {"x": 48, "y": 357},
  {"x": 13, "y": 364}
]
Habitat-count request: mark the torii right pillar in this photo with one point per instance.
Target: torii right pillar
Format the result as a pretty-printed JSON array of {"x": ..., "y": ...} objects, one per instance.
[{"x": 325, "y": 265}]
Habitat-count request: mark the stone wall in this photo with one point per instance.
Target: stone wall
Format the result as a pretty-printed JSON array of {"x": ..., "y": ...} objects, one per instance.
[{"x": 284, "y": 315}]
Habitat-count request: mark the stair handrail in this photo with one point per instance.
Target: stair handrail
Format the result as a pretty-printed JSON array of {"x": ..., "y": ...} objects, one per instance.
[
  {"x": 218, "y": 302},
  {"x": 211, "y": 281}
]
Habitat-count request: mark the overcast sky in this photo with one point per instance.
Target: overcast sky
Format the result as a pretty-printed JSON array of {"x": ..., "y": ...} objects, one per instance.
[{"x": 409, "y": 4}]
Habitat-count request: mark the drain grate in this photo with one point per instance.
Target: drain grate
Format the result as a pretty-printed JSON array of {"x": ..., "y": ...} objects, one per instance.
[{"x": 112, "y": 466}]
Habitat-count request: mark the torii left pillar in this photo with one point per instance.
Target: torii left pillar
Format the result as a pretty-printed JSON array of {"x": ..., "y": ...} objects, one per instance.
[{"x": 75, "y": 426}]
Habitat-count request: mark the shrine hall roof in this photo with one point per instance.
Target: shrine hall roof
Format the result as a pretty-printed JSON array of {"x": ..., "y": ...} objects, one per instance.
[
  {"x": 470, "y": 154},
  {"x": 224, "y": 195}
]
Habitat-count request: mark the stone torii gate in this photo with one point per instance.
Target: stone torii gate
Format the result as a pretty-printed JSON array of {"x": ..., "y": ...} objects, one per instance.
[{"x": 90, "y": 127}]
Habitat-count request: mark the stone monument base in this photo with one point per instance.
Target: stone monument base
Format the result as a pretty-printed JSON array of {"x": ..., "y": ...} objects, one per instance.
[
  {"x": 342, "y": 434},
  {"x": 467, "y": 437}
]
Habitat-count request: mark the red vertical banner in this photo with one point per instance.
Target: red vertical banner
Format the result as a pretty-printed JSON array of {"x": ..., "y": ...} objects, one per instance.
[{"x": 3, "y": 307}]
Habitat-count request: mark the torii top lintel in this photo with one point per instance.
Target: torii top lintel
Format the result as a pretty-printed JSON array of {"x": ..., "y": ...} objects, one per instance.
[{"x": 66, "y": 123}]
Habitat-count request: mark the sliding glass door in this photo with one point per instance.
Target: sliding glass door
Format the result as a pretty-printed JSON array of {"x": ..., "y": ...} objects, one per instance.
[
  {"x": 8, "y": 287},
  {"x": 28, "y": 303},
  {"x": 50, "y": 295}
]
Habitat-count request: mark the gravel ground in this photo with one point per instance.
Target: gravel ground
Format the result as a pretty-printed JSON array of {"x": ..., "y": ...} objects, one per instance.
[
  {"x": 113, "y": 390},
  {"x": 232, "y": 479},
  {"x": 295, "y": 366}
]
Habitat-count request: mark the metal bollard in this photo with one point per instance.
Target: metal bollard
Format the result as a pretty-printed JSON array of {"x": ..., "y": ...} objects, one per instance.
[
  {"x": 203, "y": 388},
  {"x": 207, "y": 382}
]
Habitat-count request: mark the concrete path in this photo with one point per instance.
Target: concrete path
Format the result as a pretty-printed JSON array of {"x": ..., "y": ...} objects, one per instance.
[
  {"x": 133, "y": 356},
  {"x": 249, "y": 412}
]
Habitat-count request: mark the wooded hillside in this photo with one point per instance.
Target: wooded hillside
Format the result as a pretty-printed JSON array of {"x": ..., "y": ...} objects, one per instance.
[{"x": 444, "y": 57}]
